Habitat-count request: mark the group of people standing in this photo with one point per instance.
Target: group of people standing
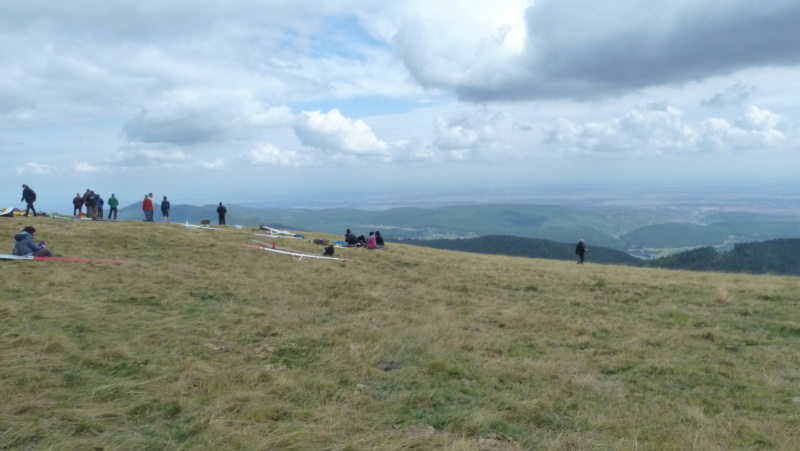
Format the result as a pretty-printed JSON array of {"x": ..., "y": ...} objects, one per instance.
[
  {"x": 147, "y": 208},
  {"x": 373, "y": 241},
  {"x": 94, "y": 204}
]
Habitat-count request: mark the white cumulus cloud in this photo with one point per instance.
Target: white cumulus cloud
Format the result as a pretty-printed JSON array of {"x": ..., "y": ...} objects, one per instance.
[
  {"x": 336, "y": 134},
  {"x": 266, "y": 154}
]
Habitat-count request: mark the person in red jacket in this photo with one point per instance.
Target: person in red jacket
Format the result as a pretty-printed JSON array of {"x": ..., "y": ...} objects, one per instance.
[{"x": 147, "y": 208}]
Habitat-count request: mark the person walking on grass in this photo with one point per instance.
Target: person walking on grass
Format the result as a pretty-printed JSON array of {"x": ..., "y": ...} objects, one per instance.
[
  {"x": 580, "y": 251},
  {"x": 221, "y": 210},
  {"x": 165, "y": 209},
  {"x": 29, "y": 197},
  {"x": 26, "y": 245},
  {"x": 77, "y": 205},
  {"x": 113, "y": 203}
]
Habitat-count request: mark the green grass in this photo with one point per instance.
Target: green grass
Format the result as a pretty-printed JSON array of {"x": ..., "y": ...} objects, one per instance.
[{"x": 197, "y": 342}]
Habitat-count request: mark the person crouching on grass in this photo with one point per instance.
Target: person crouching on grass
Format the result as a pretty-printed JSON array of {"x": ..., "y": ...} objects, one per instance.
[{"x": 26, "y": 244}]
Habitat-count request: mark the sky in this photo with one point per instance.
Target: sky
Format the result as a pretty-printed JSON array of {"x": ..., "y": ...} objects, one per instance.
[{"x": 210, "y": 101}]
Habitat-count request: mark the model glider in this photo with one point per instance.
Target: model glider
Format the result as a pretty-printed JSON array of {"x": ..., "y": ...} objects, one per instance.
[
  {"x": 299, "y": 237},
  {"x": 298, "y": 255},
  {"x": 55, "y": 259},
  {"x": 193, "y": 226},
  {"x": 275, "y": 233}
]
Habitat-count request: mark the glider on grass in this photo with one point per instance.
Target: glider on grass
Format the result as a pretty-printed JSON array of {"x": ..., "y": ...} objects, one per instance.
[
  {"x": 275, "y": 233},
  {"x": 193, "y": 226},
  {"x": 54, "y": 259},
  {"x": 296, "y": 254}
]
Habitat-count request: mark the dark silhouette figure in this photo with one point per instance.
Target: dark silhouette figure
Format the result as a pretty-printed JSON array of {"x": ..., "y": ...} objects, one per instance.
[
  {"x": 580, "y": 251},
  {"x": 165, "y": 209},
  {"x": 29, "y": 197},
  {"x": 77, "y": 204},
  {"x": 221, "y": 210}
]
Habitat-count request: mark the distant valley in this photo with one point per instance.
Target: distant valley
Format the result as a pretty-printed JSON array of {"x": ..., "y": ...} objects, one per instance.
[{"x": 641, "y": 232}]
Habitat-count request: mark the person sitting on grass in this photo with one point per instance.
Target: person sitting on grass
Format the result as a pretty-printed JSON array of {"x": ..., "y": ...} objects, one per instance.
[
  {"x": 371, "y": 242},
  {"x": 26, "y": 245},
  {"x": 379, "y": 244},
  {"x": 350, "y": 238}
]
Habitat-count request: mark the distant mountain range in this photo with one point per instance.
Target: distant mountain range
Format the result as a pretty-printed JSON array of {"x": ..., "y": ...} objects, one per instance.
[{"x": 641, "y": 232}]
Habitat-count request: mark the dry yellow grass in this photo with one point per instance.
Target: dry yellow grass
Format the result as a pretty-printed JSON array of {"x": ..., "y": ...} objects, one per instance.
[{"x": 198, "y": 342}]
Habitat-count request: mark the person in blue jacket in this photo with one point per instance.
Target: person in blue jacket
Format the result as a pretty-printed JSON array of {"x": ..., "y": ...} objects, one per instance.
[{"x": 26, "y": 244}]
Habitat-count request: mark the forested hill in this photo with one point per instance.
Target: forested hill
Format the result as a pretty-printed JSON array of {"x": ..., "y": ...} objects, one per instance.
[
  {"x": 781, "y": 256},
  {"x": 527, "y": 247}
]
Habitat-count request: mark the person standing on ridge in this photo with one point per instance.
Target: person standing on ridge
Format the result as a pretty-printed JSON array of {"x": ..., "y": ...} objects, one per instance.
[
  {"x": 221, "y": 210},
  {"x": 147, "y": 208},
  {"x": 580, "y": 251},
  {"x": 77, "y": 205},
  {"x": 100, "y": 203},
  {"x": 165, "y": 209},
  {"x": 113, "y": 203},
  {"x": 29, "y": 197},
  {"x": 90, "y": 200}
]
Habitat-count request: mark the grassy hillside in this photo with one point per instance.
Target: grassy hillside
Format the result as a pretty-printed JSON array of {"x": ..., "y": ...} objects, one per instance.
[{"x": 198, "y": 342}]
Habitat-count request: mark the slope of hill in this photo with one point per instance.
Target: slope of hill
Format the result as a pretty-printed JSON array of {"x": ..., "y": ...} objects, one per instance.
[
  {"x": 198, "y": 342},
  {"x": 526, "y": 247},
  {"x": 768, "y": 257}
]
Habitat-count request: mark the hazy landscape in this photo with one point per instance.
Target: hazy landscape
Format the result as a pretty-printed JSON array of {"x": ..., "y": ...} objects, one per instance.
[{"x": 646, "y": 225}]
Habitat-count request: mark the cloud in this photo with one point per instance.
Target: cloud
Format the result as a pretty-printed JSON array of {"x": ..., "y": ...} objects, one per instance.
[
  {"x": 333, "y": 133},
  {"x": 270, "y": 155},
  {"x": 588, "y": 49},
  {"x": 732, "y": 96},
  {"x": 135, "y": 155},
  {"x": 212, "y": 165},
  {"x": 83, "y": 167},
  {"x": 662, "y": 129},
  {"x": 466, "y": 131},
  {"x": 36, "y": 169},
  {"x": 191, "y": 116}
]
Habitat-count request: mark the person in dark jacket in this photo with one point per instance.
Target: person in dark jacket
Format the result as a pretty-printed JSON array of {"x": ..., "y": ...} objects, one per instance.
[
  {"x": 26, "y": 244},
  {"x": 221, "y": 212},
  {"x": 379, "y": 240},
  {"x": 165, "y": 209},
  {"x": 100, "y": 203},
  {"x": 90, "y": 200},
  {"x": 580, "y": 251},
  {"x": 350, "y": 238},
  {"x": 77, "y": 204},
  {"x": 29, "y": 197}
]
